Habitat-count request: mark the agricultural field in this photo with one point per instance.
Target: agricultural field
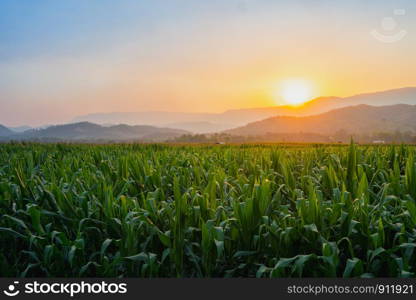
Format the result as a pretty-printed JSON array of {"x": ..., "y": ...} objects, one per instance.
[{"x": 207, "y": 211}]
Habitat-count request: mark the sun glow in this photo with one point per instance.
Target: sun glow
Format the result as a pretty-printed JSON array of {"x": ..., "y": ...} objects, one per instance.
[{"x": 296, "y": 91}]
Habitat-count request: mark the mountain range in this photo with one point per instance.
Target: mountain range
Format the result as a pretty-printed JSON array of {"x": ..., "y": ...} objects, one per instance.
[
  {"x": 359, "y": 119},
  {"x": 20, "y": 128},
  {"x": 4, "y": 131},
  {"x": 389, "y": 111},
  {"x": 214, "y": 122},
  {"x": 85, "y": 131}
]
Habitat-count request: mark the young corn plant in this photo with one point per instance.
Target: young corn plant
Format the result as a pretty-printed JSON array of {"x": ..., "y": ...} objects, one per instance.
[{"x": 276, "y": 210}]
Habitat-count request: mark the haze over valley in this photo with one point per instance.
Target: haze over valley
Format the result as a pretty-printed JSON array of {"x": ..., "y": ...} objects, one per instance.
[
  {"x": 209, "y": 123},
  {"x": 325, "y": 119},
  {"x": 206, "y": 71}
]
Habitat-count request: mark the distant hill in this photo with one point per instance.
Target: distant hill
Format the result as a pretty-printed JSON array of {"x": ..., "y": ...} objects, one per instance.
[
  {"x": 4, "y": 131},
  {"x": 20, "y": 128},
  {"x": 153, "y": 118},
  {"x": 239, "y": 117},
  {"x": 93, "y": 132},
  {"x": 199, "y": 127},
  {"x": 324, "y": 104},
  {"x": 354, "y": 119}
]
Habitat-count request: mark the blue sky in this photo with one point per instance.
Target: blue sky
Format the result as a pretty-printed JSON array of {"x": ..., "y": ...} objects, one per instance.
[{"x": 59, "y": 59}]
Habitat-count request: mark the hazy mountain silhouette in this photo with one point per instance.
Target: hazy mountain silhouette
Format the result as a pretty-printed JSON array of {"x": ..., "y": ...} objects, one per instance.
[
  {"x": 199, "y": 127},
  {"x": 4, "y": 131},
  {"x": 375, "y": 112},
  {"x": 90, "y": 131},
  {"x": 20, "y": 128},
  {"x": 353, "y": 119},
  {"x": 239, "y": 117}
]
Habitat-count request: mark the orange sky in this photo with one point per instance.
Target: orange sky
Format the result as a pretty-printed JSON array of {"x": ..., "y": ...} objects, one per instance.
[{"x": 204, "y": 58}]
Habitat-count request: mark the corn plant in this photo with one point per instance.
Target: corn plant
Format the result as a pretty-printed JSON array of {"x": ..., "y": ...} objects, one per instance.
[{"x": 135, "y": 210}]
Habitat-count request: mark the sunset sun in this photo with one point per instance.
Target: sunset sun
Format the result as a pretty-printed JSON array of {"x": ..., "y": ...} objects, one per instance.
[{"x": 295, "y": 91}]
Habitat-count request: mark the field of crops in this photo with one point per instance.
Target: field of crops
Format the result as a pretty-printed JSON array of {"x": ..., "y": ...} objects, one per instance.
[{"x": 207, "y": 211}]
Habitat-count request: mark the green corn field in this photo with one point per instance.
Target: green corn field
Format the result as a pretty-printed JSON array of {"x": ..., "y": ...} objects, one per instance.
[{"x": 207, "y": 211}]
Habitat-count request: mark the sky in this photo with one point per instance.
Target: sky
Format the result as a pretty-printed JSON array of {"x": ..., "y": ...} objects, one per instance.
[{"x": 61, "y": 59}]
